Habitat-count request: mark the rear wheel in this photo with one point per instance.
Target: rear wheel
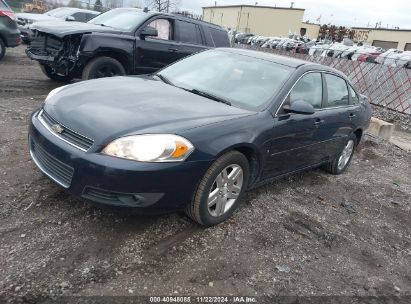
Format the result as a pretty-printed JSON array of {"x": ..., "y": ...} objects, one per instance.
[
  {"x": 52, "y": 74},
  {"x": 103, "y": 67},
  {"x": 220, "y": 190},
  {"x": 343, "y": 159},
  {"x": 2, "y": 49}
]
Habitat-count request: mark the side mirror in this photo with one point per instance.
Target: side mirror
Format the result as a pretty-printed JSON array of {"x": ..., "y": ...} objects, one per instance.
[
  {"x": 70, "y": 18},
  {"x": 299, "y": 107},
  {"x": 149, "y": 32}
]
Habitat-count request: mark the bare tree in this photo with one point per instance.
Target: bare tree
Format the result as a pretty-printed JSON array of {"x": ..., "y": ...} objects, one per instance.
[
  {"x": 164, "y": 5},
  {"x": 113, "y": 3}
]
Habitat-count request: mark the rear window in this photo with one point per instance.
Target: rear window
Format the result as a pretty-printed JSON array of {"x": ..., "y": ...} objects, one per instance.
[
  {"x": 3, "y": 6},
  {"x": 188, "y": 32},
  {"x": 337, "y": 91},
  {"x": 81, "y": 17},
  {"x": 220, "y": 37}
]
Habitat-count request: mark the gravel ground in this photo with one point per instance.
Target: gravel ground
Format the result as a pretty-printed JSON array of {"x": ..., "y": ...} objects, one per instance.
[{"x": 311, "y": 234}]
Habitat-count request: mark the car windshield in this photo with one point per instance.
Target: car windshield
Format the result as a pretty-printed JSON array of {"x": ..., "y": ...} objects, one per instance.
[
  {"x": 244, "y": 81},
  {"x": 60, "y": 12},
  {"x": 123, "y": 19}
]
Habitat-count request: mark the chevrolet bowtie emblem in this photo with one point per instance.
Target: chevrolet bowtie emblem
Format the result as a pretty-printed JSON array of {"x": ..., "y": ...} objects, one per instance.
[{"x": 57, "y": 128}]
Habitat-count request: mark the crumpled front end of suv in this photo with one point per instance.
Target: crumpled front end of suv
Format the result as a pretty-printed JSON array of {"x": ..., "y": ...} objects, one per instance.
[{"x": 61, "y": 54}]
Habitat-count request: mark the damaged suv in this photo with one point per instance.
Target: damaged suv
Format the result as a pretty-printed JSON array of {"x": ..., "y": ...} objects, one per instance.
[{"x": 119, "y": 42}]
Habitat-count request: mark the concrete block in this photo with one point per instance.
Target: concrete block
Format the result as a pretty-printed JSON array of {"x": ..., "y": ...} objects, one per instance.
[{"x": 380, "y": 128}]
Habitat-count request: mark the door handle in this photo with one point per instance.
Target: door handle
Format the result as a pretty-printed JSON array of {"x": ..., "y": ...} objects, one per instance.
[
  {"x": 318, "y": 122},
  {"x": 351, "y": 115},
  {"x": 172, "y": 50}
]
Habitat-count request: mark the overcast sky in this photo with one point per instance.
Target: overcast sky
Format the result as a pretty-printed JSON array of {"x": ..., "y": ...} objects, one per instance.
[{"x": 346, "y": 12}]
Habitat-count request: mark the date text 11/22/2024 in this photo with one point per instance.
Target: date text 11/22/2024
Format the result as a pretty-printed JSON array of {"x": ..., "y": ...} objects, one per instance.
[{"x": 203, "y": 299}]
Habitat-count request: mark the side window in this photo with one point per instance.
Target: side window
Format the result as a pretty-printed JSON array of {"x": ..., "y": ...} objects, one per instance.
[
  {"x": 163, "y": 26},
  {"x": 310, "y": 89},
  {"x": 188, "y": 32},
  {"x": 80, "y": 17},
  {"x": 354, "y": 96},
  {"x": 337, "y": 91},
  {"x": 220, "y": 37},
  {"x": 90, "y": 16}
]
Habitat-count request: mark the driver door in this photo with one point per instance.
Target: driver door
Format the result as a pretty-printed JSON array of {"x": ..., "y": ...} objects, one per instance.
[
  {"x": 154, "y": 53},
  {"x": 294, "y": 142}
]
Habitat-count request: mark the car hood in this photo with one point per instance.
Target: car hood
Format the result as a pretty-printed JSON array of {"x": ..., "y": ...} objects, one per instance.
[
  {"x": 109, "y": 108},
  {"x": 61, "y": 29},
  {"x": 37, "y": 17}
]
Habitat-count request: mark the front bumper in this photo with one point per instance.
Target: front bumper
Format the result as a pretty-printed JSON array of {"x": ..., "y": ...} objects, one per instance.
[
  {"x": 109, "y": 180},
  {"x": 41, "y": 57}
]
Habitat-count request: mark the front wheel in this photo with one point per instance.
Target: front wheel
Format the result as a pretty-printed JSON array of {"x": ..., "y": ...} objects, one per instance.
[
  {"x": 343, "y": 159},
  {"x": 52, "y": 74},
  {"x": 103, "y": 67},
  {"x": 220, "y": 190}
]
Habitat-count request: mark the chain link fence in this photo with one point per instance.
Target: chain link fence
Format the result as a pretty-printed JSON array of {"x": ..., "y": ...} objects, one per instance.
[{"x": 384, "y": 85}]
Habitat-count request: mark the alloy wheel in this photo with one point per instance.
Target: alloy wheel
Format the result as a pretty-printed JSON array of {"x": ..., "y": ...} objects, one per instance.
[
  {"x": 346, "y": 155},
  {"x": 225, "y": 190}
]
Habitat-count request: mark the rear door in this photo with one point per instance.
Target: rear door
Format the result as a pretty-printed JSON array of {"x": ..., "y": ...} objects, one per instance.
[
  {"x": 340, "y": 112},
  {"x": 190, "y": 38}
]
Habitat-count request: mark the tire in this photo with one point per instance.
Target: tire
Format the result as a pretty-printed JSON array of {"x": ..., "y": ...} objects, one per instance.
[
  {"x": 209, "y": 214},
  {"x": 335, "y": 166},
  {"x": 100, "y": 67},
  {"x": 50, "y": 73},
  {"x": 2, "y": 49}
]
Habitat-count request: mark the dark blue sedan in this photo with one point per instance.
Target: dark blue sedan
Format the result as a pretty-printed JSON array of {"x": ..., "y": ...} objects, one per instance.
[{"x": 199, "y": 133}]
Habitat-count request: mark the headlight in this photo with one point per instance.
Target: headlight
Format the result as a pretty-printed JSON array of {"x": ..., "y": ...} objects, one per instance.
[
  {"x": 54, "y": 92},
  {"x": 150, "y": 148}
]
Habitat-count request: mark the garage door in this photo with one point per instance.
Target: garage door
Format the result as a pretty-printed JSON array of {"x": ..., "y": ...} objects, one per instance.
[
  {"x": 385, "y": 44},
  {"x": 407, "y": 47}
]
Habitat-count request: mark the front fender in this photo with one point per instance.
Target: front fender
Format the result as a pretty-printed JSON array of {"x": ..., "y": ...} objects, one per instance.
[
  {"x": 250, "y": 133},
  {"x": 120, "y": 47}
]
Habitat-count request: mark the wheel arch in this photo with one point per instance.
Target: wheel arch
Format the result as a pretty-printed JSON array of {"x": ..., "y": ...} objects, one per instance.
[
  {"x": 115, "y": 54},
  {"x": 119, "y": 47},
  {"x": 358, "y": 133},
  {"x": 253, "y": 156}
]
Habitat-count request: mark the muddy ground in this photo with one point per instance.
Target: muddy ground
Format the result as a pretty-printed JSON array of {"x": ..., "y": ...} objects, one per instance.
[{"x": 309, "y": 234}]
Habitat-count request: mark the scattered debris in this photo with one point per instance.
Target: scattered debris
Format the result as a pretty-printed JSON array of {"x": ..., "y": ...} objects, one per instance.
[
  {"x": 349, "y": 207},
  {"x": 283, "y": 268}
]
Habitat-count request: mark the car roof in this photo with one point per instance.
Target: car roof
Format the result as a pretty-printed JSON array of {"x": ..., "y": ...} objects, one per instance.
[
  {"x": 74, "y": 9},
  {"x": 290, "y": 62},
  {"x": 177, "y": 16},
  {"x": 83, "y": 10},
  {"x": 283, "y": 60}
]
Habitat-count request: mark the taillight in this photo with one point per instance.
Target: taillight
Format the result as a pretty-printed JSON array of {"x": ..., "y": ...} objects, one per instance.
[{"x": 9, "y": 14}]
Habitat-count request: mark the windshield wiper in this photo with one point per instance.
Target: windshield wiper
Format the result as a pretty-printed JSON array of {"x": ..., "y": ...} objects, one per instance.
[
  {"x": 194, "y": 91},
  {"x": 208, "y": 95},
  {"x": 164, "y": 79},
  {"x": 102, "y": 24}
]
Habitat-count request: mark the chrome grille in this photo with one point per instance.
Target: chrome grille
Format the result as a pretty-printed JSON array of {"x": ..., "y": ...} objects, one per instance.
[
  {"x": 51, "y": 166},
  {"x": 75, "y": 139}
]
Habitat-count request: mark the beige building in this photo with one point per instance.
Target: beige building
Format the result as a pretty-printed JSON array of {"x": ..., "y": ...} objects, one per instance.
[
  {"x": 385, "y": 38},
  {"x": 280, "y": 21},
  {"x": 259, "y": 20}
]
